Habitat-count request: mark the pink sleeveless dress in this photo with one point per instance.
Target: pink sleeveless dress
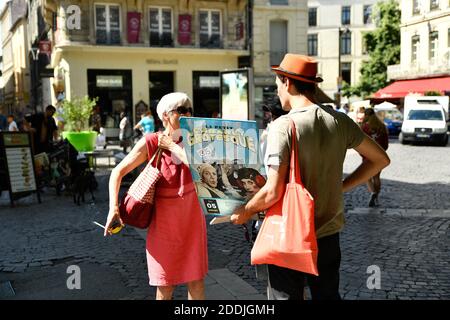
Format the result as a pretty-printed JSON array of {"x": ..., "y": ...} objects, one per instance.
[{"x": 176, "y": 239}]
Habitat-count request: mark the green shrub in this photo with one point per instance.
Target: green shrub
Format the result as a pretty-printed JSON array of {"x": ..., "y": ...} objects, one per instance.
[{"x": 76, "y": 113}]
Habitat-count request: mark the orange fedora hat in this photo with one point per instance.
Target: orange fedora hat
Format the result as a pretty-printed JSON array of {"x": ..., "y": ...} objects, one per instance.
[{"x": 298, "y": 67}]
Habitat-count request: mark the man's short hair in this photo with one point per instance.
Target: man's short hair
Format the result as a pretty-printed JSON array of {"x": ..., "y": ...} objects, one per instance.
[
  {"x": 50, "y": 108},
  {"x": 301, "y": 86}
]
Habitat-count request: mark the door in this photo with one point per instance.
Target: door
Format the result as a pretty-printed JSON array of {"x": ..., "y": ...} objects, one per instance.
[{"x": 160, "y": 84}]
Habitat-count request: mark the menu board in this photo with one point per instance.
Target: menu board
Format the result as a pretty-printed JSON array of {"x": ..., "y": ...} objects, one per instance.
[
  {"x": 17, "y": 164},
  {"x": 20, "y": 169}
]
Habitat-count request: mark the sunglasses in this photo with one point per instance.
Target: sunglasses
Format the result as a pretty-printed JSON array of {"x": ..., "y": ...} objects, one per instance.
[{"x": 183, "y": 110}]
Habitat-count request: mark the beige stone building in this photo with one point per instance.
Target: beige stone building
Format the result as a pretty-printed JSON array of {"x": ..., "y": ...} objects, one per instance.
[
  {"x": 335, "y": 38},
  {"x": 425, "y": 50},
  {"x": 279, "y": 26},
  {"x": 131, "y": 53},
  {"x": 15, "y": 67}
]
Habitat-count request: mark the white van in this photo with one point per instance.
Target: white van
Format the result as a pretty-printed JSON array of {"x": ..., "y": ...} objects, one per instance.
[{"x": 425, "y": 119}]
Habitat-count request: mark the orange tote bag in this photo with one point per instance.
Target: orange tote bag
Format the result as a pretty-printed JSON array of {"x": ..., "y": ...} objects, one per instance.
[{"x": 287, "y": 237}]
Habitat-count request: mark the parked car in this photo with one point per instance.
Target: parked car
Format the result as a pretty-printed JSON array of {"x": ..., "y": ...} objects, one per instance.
[
  {"x": 425, "y": 120},
  {"x": 391, "y": 116}
]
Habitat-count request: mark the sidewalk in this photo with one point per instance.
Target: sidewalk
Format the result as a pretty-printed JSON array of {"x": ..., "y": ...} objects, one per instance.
[
  {"x": 41, "y": 242},
  {"x": 222, "y": 284}
]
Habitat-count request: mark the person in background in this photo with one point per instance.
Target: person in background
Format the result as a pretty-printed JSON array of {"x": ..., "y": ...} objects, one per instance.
[
  {"x": 12, "y": 125},
  {"x": 271, "y": 113},
  {"x": 125, "y": 134},
  {"x": 147, "y": 123},
  {"x": 96, "y": 119},
  {"x": 375, "y": 128},
  {"x": 360, "y": 115},
  {"x": 43, "y": 128},
  {"x": 3, "y": 123},
  {"x": 177, "y": 249}
]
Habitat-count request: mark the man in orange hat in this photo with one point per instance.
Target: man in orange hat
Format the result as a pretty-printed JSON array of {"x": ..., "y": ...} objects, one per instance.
[{"x": 324, "y": 135}]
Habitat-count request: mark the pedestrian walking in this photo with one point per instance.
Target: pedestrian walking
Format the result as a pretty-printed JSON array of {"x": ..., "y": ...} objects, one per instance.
[
  {"x": 176, "y": 239},
  {"x": 375, "y": 128},
  {"x": 323, "y": 136},
  {"x": 146, "y": 124}
]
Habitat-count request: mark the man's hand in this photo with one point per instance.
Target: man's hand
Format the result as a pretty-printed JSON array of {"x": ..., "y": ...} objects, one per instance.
[{"x": 239, "y": 216}]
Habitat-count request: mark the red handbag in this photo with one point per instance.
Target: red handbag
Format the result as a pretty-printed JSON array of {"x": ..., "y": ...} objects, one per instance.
[
  {"x": 136, "y": 206},
  {"x": 287, "y": 237}
]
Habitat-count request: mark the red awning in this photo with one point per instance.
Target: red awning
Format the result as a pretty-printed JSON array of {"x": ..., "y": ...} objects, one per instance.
[{"x": 402, "y": 88}]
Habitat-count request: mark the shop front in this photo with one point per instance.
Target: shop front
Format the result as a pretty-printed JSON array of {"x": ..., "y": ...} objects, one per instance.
[
  {"x": 132, "y": 79},
  {"x": 114, "y": 90}
]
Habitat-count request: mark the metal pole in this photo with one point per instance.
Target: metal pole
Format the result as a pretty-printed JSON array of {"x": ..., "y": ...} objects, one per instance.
[
  {"x": 250, "y": 30},
  {"x": 35, "y": 77},
  {"x": 338, "y": 96}
]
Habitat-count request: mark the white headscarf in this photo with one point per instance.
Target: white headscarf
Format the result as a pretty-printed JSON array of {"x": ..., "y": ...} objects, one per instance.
[{"x": 172, "y": 101}]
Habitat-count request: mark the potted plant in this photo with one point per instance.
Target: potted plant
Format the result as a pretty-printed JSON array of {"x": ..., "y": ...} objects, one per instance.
[{"x": 76, "y": 114}]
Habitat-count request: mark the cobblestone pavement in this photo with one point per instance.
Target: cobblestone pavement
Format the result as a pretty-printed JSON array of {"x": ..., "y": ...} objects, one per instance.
[
  {"x": 411, "y": 247},
  {"x": 417, "y": 178},
  {"x": 409, "y": 244},
  {"x": 44, "y": 240}
]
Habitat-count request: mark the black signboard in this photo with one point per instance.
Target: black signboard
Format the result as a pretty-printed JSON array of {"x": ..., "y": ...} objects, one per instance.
[{"x": 17, "y": 165}]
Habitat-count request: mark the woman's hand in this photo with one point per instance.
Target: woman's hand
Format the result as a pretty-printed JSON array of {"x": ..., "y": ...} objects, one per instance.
[
  {"x": 165, "y": 142},
  {"x": 113, "y": 216}
]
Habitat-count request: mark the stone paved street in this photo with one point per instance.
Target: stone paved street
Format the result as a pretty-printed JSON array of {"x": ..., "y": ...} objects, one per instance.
[
  {"x": 407, "y": 238},
  {"x": 411, "y": 246}
]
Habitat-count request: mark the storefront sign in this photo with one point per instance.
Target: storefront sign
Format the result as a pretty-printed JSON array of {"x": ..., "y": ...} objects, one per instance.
[
  {"x": 134, "y": 25},
  {"x": 45, "y": 47},
  {"x": 109, "y": 81},
  {"x": 164, "y": 61},
  {"x": 209, "y": 82},
  {"x": 184, "y": 29}
]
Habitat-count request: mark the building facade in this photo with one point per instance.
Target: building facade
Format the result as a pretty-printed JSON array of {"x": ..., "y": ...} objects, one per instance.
[
  {"x": 279, "y": 26},
  {"x": 15, "y": 67},
  {"x": 335, "y": 38},
  {"x": 425, "y": 40},
  {"x": 131, "y": 53}
]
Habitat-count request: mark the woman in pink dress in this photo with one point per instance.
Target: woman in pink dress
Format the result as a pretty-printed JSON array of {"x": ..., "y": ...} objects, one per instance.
[{"x": 176, "y": 239}]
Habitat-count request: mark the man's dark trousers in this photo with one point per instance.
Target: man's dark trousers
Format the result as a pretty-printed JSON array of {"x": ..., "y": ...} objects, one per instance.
[{"x": 288, "y": 284}]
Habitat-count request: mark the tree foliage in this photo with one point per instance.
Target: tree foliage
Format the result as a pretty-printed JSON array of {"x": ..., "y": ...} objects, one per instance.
[
  {"x": 432, "y": 93},
  {"x": 76, "y": 113},
  {"x": 383, "y": 47}
]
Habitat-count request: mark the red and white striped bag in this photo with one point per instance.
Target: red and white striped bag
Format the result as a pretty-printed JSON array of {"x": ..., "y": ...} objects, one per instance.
[{"x": 136, "y": 207}]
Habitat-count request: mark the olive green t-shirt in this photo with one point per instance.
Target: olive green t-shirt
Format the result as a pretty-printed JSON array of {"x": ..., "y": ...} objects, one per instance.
[{"x": 323, "y": 137}]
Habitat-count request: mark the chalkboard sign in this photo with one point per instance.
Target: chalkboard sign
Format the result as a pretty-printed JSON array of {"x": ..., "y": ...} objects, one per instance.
[{"x": 17, "y": 165}]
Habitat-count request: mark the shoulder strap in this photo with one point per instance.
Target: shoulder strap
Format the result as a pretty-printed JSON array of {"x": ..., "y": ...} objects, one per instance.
[
  {"x": 153, "y": 151},
  {"x": 294, "y": 173}
]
